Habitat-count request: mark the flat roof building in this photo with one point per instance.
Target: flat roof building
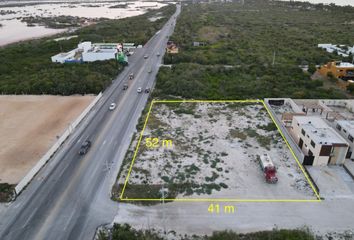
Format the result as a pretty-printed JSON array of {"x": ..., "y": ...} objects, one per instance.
[
  {"x": 346, "y": 129},
  {"x": 90, "y": 52},
  {"x": 320, "y": 143},
  {"x": 342, "y": 70}
]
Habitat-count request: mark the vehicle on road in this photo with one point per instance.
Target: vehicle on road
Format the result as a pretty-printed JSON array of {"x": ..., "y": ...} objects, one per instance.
[
  {"x": 146, "y": 56},
  {"x": 158, "y": 54},
  {"x": 125, "y": 86},
  {"x": 147, "y": 90},
  {"x": 85, "y": 147},
  {"x": 268, "y": 169},
  {"x": 139, "y": 90},
  {"x": 150, "y": 70},
  {"x": 112, "y": 106},
  {"x": 131, "y": 76}
]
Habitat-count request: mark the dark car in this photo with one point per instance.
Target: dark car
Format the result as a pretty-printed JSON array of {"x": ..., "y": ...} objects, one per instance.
[
  {"x": 147, "y": 90},
  {"x": 125, "y": 86},
  {"x": 85, "y": 147}
]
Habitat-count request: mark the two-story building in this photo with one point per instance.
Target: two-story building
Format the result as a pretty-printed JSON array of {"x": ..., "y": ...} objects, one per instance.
[
  {"x": 320, "y": 143},
  {"x": 346, "y": 129}
]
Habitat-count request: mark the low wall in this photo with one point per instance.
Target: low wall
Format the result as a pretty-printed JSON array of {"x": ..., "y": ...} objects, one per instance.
[
  {"x": 45, "y": 158},
  {"x": 297, "y": 151}
]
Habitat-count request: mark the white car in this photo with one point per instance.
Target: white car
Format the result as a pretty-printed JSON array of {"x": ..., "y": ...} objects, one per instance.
[
  {"x": 139, "y": 90},
  {"x": 146, "y": 56},
  {"x": 112, "y": 106}
]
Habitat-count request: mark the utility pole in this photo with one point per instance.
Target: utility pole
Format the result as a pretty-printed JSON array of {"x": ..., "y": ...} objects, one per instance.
[
  {"x": 163, "y": 209},
  {"x": 273, "y": 59}
]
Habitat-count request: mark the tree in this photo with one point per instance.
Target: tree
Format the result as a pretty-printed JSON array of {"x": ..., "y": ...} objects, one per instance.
[{"x": 312, "y": 68}]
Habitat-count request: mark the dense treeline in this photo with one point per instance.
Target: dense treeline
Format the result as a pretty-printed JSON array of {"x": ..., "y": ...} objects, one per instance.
[
  {"x": 197, "y": 81},
  {"x": 248, "y": 38},
  {"x": 26, "y": 67},
  {"x": 126, "y": 232}
]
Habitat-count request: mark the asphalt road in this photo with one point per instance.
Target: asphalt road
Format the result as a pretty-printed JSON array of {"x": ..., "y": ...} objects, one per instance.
[{"x": 70, "y": 197}]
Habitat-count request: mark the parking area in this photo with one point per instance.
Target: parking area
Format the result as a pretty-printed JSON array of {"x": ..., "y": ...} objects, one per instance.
[{"x": 333, "y": 181}]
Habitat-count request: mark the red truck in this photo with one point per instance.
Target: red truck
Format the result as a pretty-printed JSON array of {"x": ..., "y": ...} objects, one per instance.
[{"x": 268, "y": 169}]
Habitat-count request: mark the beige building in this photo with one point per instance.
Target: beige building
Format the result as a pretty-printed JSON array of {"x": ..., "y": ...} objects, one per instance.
[
  {"x": 320, "y": 143},
  {"x": 346, "y": 129}
]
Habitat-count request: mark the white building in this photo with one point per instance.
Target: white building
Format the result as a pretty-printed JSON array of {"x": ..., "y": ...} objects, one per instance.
[
  {"x": 342, "y": 50},
  {"x": 88, "y": 52},
  {"x": 320, "y": 143},
  {"x": 346, "y": 129},
  {"x": 63, "y": 57}
]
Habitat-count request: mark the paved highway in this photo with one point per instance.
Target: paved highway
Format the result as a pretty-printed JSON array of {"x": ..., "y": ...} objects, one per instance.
[{"x": 70, "y": 197}]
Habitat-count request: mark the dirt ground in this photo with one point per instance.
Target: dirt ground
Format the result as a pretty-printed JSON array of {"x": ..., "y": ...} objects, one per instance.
[
  {"x": 29, "y": 126},
  {"x": 214, "y": 153}
]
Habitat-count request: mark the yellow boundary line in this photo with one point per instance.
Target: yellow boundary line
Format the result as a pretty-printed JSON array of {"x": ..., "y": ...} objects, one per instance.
[
  {"x": 292, "y": 152},
  {"x": 216, "y": 199},
  {"x": 136, "y": 150}
]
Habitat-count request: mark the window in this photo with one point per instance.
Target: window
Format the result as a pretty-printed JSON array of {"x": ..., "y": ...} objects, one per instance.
[
  {"x": 310, "y": 153},
  {"x": 350, "y": 137},
  {"x": 339, "y": 127},
  {"x": 313, "y": 144},
  {"x": 303, "y": 132},
  {"x": 326, "y": 150}
]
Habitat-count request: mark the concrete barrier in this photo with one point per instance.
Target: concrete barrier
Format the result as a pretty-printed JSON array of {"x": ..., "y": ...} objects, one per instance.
[{"x": 45, "y": 158}]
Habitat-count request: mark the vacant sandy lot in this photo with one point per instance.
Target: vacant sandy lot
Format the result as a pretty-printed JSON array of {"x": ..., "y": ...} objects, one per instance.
[
  {"x": 214, "y": 152},
  {"x": 29, "y": 125}
]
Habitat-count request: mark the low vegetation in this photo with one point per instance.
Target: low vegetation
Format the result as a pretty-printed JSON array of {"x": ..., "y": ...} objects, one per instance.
[
  {"x": 253, "y": 50},
  {"x": 126, "y": 232},
  {"x": 26, "y": 67},
  {"x": 7, "y": 192}
]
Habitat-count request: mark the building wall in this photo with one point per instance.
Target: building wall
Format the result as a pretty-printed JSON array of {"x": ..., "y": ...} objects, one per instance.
[
  {"x": 97, "y": 56},
  {"x": 338, "y": 72},
  {"x": 338, "y": 155},
  {"x": 346, "y": 135},
  {"x": 61, "y": 59},
  {"x": 308, "y": 147}
]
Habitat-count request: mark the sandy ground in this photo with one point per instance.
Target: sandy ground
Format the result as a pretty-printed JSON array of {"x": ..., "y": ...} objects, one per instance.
[
  {"x": 29, "y": 125},
  {"x": 328, "y": 218},
  {"x": 215, "y": 144}
]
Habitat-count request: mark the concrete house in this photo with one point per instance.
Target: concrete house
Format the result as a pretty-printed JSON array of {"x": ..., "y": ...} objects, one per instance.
[
  {"x": 320, "y": 143},
  {"x": 346, "y": 129},
  {"x": 342, "y": 70}
]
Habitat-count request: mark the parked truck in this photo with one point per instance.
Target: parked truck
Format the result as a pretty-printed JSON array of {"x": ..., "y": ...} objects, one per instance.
[{"x": 268, "y": 169}]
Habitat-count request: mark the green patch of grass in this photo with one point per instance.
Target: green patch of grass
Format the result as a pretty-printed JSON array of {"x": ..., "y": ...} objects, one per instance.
[
  {"x": 7, "y": 192},
  {"x": 269, "y": 127}
]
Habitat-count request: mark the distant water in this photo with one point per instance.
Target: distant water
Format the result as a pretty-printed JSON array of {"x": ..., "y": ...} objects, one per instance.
[
  {"x": 14, "y": 30},
  {"x": 337, "y": 2}
]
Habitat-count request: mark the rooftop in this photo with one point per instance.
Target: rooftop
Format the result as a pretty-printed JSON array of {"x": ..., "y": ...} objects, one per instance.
[
  {"x": 345, "y": 65},
  {"x": 348, "y": 125},
  {"x": 319, "y": 131}
]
